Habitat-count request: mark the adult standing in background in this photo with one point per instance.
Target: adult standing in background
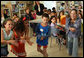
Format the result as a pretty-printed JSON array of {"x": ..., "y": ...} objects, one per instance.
[
  {"x": 73, "y": 27},
  {"x": 38, "y": 8}
]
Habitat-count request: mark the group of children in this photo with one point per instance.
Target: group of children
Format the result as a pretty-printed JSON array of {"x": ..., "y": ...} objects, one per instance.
[{"x": 15, "y": 31}]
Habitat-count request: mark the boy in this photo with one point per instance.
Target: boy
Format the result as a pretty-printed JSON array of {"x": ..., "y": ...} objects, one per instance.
[{"x": 43, "y": 32}]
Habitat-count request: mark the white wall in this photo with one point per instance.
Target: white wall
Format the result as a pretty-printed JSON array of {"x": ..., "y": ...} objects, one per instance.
[
  {"x": 49, "y": 4},
  {"x": 5, "y": 2}
]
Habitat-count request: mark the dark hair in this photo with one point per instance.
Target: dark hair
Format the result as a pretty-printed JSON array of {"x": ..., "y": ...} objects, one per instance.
[
  {"x": 62, "y": 4},
  {"x": 45, "y": 7},
  {"x": 5, "y": 21},
  {"x": 14, "y": 14},
  {"x": 49, "y": 10},
  {"x": 81, "y": 6},
  {"x": 31, "y": 11},
  {"x": 81, "y": 15},
  {"x": 19, "y": 26},
  {"x": 80, "y": 11},
  {"x": 53, "y": 12},
  {"x": 61, "y": 12},
  {"x": 45, "y": 15},
  {"x": 53, "y": 17},
  {"x": 53, "y": 8},
  {"x": 74, "y": 10}
]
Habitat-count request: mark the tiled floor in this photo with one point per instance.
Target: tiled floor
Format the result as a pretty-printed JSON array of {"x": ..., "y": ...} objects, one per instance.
[{"x": 52, "y": 51}]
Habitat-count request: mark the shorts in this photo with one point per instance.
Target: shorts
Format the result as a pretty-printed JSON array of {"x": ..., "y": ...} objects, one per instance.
[
  {"x": 43, "y": 46},
  {"x": 4, "y": 51}
]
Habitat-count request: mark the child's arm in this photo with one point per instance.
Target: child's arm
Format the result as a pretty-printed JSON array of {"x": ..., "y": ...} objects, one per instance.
[
  {"x": 38, "y": 31},
  {"x": 12, "y": 41},
  {"x": 25, "y": 37},
  {"x": 28, "y": 40}
]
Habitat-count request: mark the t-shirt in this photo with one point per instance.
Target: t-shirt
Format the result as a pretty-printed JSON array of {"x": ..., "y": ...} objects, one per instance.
[
  {"x": 63, "y": 20},
  {"x": 54, "y": 30},
  {"x": 6, "y": 37},
  {"x": 42, "y": 31}
]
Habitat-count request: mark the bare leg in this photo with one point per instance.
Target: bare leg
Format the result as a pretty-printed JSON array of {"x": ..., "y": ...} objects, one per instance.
[
  {"x": 39, "y": 49},
  {"x": 45, "y": 52}
]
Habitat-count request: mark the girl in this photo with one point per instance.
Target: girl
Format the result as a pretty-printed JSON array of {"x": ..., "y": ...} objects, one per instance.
[
  {"x": 62, "y": 24},
  {"x": 14, "y": 16},
  {"x": 54, "y": 26},
  {"x": 20, "y": 36},
  {"x": 6, "y": 37},
  {"x": 51, "y": 14}
]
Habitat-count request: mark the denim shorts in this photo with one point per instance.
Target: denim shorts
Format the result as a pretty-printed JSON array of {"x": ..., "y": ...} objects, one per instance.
[{"x": 4, "y": 51}]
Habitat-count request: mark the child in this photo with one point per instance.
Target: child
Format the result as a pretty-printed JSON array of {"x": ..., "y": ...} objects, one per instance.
[
  {"x": 54, "y": 26},
  {"x": 14, "y": 16},
  {"x": 20, "y": 36},
  {"x": 16, "y": 19},
  {"x": 53, "y": 9},
  {"x": 49, "y": 12},
  {"x": 43, "y": 32},
  {"x": 45, "y": 10},
  {"x": 62, "y": 24},
  {"x": 52, "y": 14},
  {"x": 6, "y": 37}
]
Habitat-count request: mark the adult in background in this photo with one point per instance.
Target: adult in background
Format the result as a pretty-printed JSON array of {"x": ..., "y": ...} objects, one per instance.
[
  {"x": 73, "y": 27},
  {"x": 38, "y": 8}
]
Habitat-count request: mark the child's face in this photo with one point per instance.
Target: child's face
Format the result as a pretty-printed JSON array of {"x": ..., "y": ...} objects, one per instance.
[
  {"x": 9, "y": 25},
  {"x": 15, "y": 16},
  {"x": 44, "y": 19},
  {"x": 52, "y": 14},
  {"x": 27, "y": 11},
  {"x": 53, "y": 20},
  {"x": 49, "y": 12},
  {"x": 61, "y": 14},
  {"x": 16, "y": 19}
]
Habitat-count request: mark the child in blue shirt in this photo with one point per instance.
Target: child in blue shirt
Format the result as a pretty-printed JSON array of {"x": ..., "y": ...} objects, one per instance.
[{"x": 43, "y": 32}]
